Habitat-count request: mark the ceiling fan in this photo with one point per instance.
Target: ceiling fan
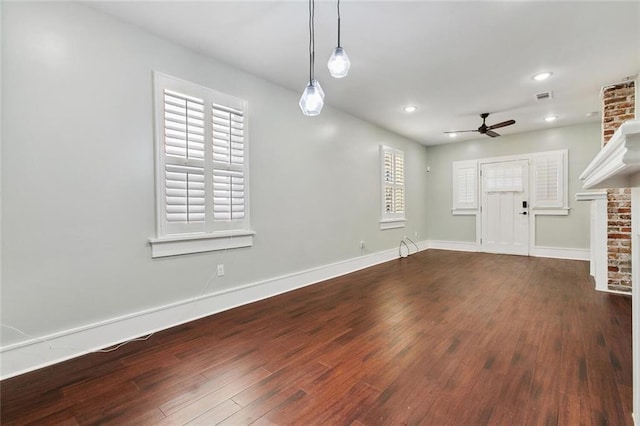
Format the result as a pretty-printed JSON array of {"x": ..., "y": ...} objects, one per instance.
[{"x": 488, "y": 130}]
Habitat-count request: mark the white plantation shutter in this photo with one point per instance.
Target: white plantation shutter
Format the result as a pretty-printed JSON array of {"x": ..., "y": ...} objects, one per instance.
[
  {"x": 398, "y": 167},
  {"x": 388, "y": 181},
  {"x": 228, "y": 195},
  {"x": 202, "y": 180},
  {"x": 183, "y": 126},
  {"x": 393, "y": 170},
  {"x": 228, "y": 163},
  {"x": 185, "y": 194},
  {"x": 393, "y": 201},
  {"x": 465, "y": 185},
  {"x": 549, "y": 180},
  {"x": 183, "y": 129},
  {"x": 228, "y": 135}
]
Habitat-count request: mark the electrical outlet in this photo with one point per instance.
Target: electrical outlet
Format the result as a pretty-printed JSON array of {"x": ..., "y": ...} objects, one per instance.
[
  {"x": 415, "y": 234},
  {"x": 220, "y": 270}
]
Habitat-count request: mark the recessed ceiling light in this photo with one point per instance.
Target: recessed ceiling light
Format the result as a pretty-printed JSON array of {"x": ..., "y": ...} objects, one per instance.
[
  {"x": 453, "y": 135},
  {"x": 410, "y": 108},
  {"x": 542, "y": 76},
  {"x": 550, "y": 118}
]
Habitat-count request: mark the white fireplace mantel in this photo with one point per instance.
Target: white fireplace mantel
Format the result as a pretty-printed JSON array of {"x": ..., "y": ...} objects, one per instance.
[
  {"x": 598, "y": 267},
  {"x": 617, "y": 165}
]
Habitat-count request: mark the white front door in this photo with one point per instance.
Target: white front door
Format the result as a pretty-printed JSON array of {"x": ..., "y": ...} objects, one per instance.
[{"x": 505, "y": 207}]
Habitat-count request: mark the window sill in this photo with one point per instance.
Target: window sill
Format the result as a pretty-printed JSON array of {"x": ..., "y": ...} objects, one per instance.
[
  {"x": 197, "y": 243},
  {"x": 464, "y": 212},
  {"x": 550, "y": 211},
  {"x": 392, "y": 223}
]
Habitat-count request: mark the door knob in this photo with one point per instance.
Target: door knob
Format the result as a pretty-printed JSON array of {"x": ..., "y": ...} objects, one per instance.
[{"x": 524, "y": 213}]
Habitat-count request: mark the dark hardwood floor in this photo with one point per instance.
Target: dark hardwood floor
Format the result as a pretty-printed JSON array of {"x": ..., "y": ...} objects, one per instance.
[{"x": 439, "y": 338}]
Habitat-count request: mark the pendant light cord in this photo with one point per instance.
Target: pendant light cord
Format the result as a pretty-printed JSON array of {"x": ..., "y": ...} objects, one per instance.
[
  {"x": 312, "y": 40},
  {"x": 313, "y": 37},
  {"x": 338, "y": 23}
]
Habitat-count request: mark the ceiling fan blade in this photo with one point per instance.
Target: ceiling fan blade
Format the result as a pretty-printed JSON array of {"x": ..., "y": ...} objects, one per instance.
[
  {"x": 492, "y": 133},
  {"x": 461, "y": 131},
  {"x": 503, "y": 124}
]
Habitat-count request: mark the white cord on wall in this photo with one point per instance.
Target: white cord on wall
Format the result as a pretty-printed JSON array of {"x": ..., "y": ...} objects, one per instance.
[{"x": 403, "y": 242}]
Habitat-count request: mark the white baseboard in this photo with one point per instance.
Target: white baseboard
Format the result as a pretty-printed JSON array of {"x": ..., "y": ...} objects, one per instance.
[
  {"x": 40, "y": 352},
  {"x": 561, "y": 253},
  {"x": 606, "y": 290},
  {"x": 538, "y": 251},
  {"x": 453, "y": 245}
]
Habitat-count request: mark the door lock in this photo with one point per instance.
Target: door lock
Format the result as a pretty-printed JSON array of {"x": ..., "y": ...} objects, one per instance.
[{"x": 523, "y": 213}]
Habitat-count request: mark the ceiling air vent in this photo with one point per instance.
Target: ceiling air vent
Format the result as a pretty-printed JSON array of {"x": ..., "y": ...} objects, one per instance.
[{"x": 543, "y": 96}]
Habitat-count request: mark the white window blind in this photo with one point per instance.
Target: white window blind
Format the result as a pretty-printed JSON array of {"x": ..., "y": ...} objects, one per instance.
[
  {"x": 550, "y": 180},
  {"x": 393, "y": 194},
  {"x": 503, "y": 179},
  {"x": 465, "y": 185},
  {"x": 201, "y": 155}
]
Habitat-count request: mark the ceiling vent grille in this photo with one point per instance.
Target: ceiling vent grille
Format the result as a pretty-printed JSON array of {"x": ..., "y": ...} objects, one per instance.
[{"x": 543, "y": 96}]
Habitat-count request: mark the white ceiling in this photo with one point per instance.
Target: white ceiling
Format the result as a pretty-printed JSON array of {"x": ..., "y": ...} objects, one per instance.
[{"x": 454, "y": 60}]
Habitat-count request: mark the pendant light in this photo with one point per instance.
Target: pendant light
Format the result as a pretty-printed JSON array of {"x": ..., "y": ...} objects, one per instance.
[
  {"x": 339, "y": 63},
  {"x": 312, "y": 99}
]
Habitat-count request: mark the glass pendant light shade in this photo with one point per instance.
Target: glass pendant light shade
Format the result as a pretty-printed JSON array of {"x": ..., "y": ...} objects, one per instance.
[
  {"x": 316, "y": 84},
  {"x": 339, "y": 63},
  {"x": 312, "y": 99}
]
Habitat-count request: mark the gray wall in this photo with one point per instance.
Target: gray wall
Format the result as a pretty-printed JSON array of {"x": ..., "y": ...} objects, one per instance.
[
  {"x": 78, "y": 175},
  {"x": 572, "y": 231}
]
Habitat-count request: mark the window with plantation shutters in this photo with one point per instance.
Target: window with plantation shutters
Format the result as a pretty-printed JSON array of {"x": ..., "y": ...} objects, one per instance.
[
  {"x": 465, "y": 186},
  {"x": 201, "y": 169},
  {"x": 549, "y": 180},
  {"x": 393, "y": 193}
]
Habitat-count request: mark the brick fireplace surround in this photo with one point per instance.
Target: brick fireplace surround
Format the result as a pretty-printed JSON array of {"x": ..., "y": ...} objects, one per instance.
[{"x": 618, "y": 106}]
